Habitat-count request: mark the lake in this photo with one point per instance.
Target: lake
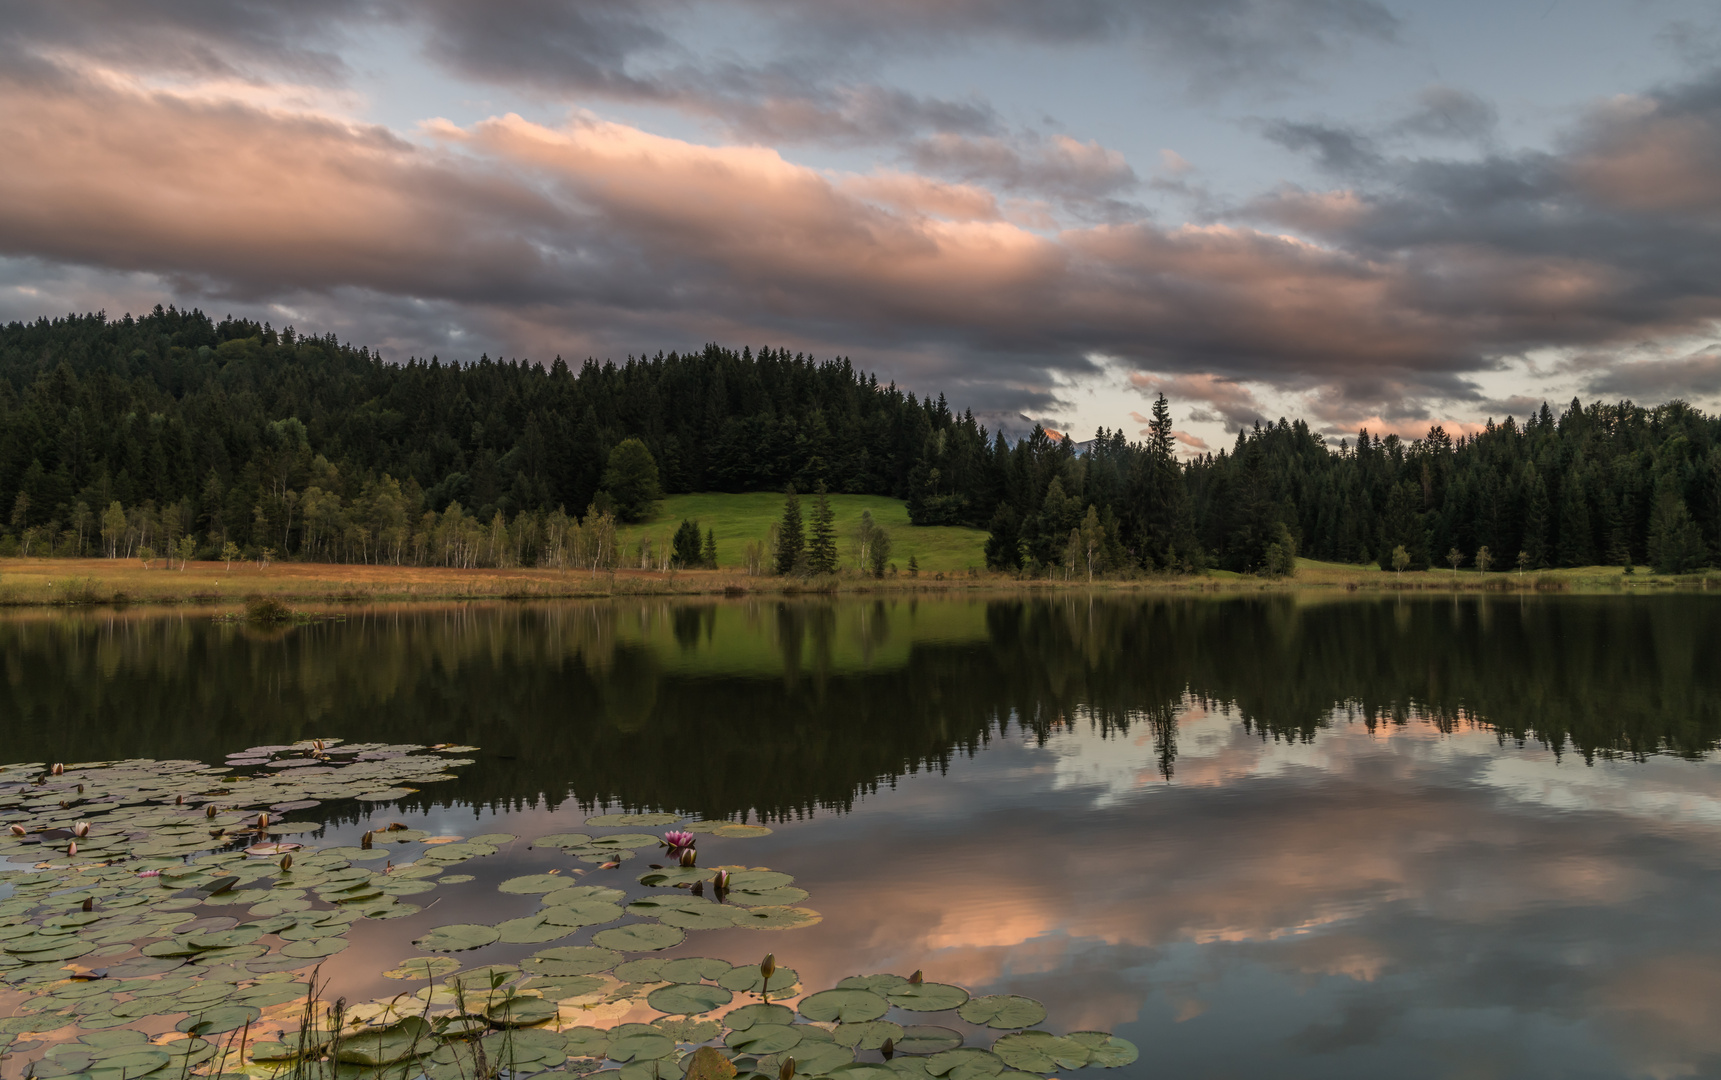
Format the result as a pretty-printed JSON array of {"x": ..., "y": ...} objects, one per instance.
[{"x": 1285, "y": 836}]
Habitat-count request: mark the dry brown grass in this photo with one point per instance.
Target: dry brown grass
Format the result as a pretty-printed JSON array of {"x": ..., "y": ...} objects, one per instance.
[{"x": 36, "y": 582}]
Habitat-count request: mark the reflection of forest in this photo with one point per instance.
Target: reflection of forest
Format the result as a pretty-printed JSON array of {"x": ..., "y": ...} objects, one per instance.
[{"x": 655, "y": 704}]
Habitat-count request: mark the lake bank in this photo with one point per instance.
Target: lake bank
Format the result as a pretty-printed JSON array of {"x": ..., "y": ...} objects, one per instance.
[{"x": 63, "y": 582}]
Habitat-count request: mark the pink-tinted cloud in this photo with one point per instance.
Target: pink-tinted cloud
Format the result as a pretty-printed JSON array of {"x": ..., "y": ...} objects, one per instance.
[{"x": 1225, "y": 399}]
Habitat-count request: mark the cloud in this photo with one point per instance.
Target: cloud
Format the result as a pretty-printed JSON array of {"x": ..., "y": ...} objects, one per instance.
[
  {"x": 1446, "y": 112},
  {"x": 1696, "y": 374},
  {"x": 1341, "y": 150},
  {"x": 1227, "y": 399},
  {"x": 1193, "y": 442},
  {"x": 1060, "y": 167}
]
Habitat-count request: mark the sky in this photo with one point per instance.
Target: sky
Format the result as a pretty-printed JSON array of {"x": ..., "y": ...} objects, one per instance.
[{"x": 1363, "y": 213}]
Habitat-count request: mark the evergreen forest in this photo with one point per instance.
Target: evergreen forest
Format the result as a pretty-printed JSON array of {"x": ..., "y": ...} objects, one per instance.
[{"x": 179, "y": 434}]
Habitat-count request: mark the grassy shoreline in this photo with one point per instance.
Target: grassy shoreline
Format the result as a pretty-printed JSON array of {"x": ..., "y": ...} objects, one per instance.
[{"x": 80, "y": 582}]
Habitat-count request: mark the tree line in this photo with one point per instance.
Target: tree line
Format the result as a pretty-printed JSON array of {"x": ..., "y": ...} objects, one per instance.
[{"x": 190, "y": 437}]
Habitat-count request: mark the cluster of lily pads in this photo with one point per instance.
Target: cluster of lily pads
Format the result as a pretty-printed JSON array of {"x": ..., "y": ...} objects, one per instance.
[{"x": 187, "y": 905}]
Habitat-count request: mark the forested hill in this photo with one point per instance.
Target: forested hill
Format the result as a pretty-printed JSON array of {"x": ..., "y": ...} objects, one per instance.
[{"x": 232, "y": 432}]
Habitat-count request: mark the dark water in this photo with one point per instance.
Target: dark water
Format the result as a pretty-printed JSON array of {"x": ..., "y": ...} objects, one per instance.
[{"x": 1423, "y": 838}]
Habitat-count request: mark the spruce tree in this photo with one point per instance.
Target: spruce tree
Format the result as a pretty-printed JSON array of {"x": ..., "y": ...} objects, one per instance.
[
  {"x": 708, "y": 553},
  {"x": 822, "y": 544},
  {"x": 790, "y": 542}
]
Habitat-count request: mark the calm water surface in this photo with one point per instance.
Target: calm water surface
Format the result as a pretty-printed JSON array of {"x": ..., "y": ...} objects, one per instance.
[{"x": 1420, "y": 838}]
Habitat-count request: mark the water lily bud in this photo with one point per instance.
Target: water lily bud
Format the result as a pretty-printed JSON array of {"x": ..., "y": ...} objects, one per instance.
[
  {"x": 768, "y": 966},
  {"x": 17, "y": 830},
  {"x": 917, "y": 978},
  {"x": 888, "y": 1049},
  {"x": 72, "y": 848},
  {"x": 209, "y": 811},
  {"x": 80, "y": 789},
  {"x": 179, "y": 801},
  {"x": 688, "y": 857},
  {"x": 286, "y": 862},
  {"x": 364, "y": 841},
  {"x": 263, "y": 820},
  {"x": 59, "y": 770},
  {"x": 89, "y": 903},
  {"x": 81, "y": 829},
  {"x": 786, "y": 1071}
]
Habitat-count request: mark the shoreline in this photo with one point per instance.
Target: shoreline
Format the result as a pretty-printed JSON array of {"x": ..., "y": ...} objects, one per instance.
[{"x": 109, "y": 582}]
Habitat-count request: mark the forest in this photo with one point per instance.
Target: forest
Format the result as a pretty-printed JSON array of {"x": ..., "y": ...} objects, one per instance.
[{"x": 175, "y": 434}]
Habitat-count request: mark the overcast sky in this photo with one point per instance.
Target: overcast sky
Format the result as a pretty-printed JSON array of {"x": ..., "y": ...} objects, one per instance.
[{"x": 1361, "y": 212}]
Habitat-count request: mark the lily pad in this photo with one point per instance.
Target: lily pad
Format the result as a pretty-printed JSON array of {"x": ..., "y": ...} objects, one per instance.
[
  {"x": 531, "y": 930},
  {"x": 579, "y": 913},
  {"x": 610, "y": 821},
  {"x": 778, "y": 918},
  {"x": 924, "y": 1039},
  {"x": 533, "y": 883},
  {"x": 692, "y": 969},
  {"x": 881, "y": 984},
  {"x": 521, "y": 1011},
  {"x": 1106, "y": 1050},
  {"x": 762, "y": 1039},
  {"x": 748, "y": 1016},
  {"x": 1003, "y": 1011},
  {"x": 747, "y": 980},
  {"x": 639, "y": 937},
  {"x": 848, "y": 1006},
  {"x": 965, "y": 1063},
  {"x": 640, "y": 1042},
  {"x": 1041, "y": 1052},
  {"x": 587, "y": 1042},
  {"x": 573, "y": 960},
  {"x": 928, "y": 997},
  {"x": 219, "y": 1020},
  {"x": 410, "y": 1037},
  {"x": 458, "y": 937},
  {"x": 688, "y": 999},
  {"x": 866, "y": 1034}
]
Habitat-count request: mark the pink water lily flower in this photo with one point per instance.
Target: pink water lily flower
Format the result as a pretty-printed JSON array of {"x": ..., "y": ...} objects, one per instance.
[
  {"x": 149, "y": 873},
  {"x": 678, "y": 838}
]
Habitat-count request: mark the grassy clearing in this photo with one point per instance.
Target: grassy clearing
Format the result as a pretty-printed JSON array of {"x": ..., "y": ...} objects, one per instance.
[
  {"x": 56, "y": 582},
  {"x": 744, "y": 518}
]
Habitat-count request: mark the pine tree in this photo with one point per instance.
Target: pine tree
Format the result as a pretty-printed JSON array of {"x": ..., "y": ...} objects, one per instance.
[
  {"x": 685, "y": 547},
  {"x": 822, "y": 544},
  {"x": 1535, "y": 517},
  {"x": 790, "y": 543},
  {"x": 708, "y": 553},
  {"x": 1575, "y": 546}
]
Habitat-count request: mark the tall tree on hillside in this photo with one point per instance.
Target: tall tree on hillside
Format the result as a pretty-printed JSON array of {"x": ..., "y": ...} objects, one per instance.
[
  {"x": 631, "y": 480},
  {"x": 822, "y": 543},
  {"x": 791, "y": 544},
  {"x": 685, "y": 546}
]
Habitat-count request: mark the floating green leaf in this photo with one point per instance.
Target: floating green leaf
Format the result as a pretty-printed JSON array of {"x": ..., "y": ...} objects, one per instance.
[
  {"x": 881, "y": 984},
  {"x": 610, "y": 821},
  {"x": 927, "y": 997},
  {"x": 533, "y": 883},
  {"x": 848, "y": 1006},
  {"x": 639, "y": 937},
  {"x": 1003, "y": 1011},
  {"x": 746, "y": 979},
  {"x": 748, "y": 1016},
  {"x": 457, "y": 937},
  {"x": 521, "y": 1011},
  {"x": 965, "y": 1063},
  {"x": 587, "y": 1042},
  {"x": 687, "y": 999},
  {"x": 777, "y": 918},
  {"x": 1106, "y": 1051},
  {"x": 410, "y": 1037},
  {"x": 579, "y": 913},
  {"x": 692, "y": 969},
  {"x": 530, "y": 930},
  {"x": 762, "y": 1039},
  {"x": 573, "y": 960},
  {"x": 1041, "y": 1052},
  {"x": 219, "y": 1020},
  {"x": 926, "y": 1039},
  {"x": 866, "y": 1034},
  {"x": 639, "y": 1042}
]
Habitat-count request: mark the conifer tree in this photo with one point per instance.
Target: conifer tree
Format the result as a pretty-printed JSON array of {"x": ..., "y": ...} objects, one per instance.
[
  {"x": 822, "y": 543},
  {"x": 790, "y": 542},
  {"x": 708, "y": 553}
]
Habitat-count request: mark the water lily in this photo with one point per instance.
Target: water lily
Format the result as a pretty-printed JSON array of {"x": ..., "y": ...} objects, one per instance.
[
  {"x": 59, "y": 770},
  {"x": 786, "y": 1071},
  {"x": 689, "y": 857},
  {"x": 678, "y": 838},
  {"x": 81, "y": 829},
  {"x": 720, "y": 882},
  {"x": 768, "y": 966},
  {"x": 72, "y": 848},
  {"x": 149, "y": 873},
  {"x": 17, "y": 830}
]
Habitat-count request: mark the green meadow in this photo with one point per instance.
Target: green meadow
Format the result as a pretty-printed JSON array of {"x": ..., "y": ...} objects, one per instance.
[{"x": 740, "y": 519}]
